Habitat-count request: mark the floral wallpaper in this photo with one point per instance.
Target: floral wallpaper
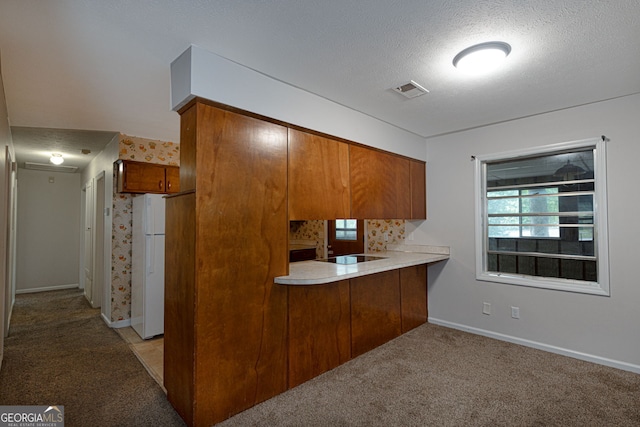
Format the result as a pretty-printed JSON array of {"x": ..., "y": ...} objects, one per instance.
[
  {"x": 376, "y": 229},
  {"x": 142, "y": 150},
  {"x": 121, "y": 257},
  {"x": 309, "y": 230},
  {"x": 149, "y": 151}
]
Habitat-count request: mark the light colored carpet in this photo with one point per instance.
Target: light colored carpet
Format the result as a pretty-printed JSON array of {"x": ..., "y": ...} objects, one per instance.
[
  {"x": 435, "y": 376},
  {"x": 59, "y": 352}
]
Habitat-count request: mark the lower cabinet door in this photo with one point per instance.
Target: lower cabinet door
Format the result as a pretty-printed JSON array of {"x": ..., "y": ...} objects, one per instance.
[
  {"x": 413, "y": 291},
  {"x": 375, "y": 310},
  {"x": 318, "y": 329}
]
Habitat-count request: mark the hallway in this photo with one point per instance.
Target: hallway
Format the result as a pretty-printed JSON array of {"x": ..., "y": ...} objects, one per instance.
[{"x": 59, "y": 352}]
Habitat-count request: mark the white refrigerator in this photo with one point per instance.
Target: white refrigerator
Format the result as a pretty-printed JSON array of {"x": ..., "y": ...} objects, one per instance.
[{"x": 147, "y": 267}]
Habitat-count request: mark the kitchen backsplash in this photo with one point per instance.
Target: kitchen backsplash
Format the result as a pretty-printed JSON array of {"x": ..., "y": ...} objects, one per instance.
[
  {"x": 309, "y": 230},
  {"x": 394, "y": 230},
  {"x": 378, "y": 228},
  {"x": 142, "y": 150}
]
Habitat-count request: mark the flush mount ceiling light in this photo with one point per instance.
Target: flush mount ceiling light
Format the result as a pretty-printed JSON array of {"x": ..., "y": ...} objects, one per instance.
[
  {"x": 56, "y": 159},
  {"x": 481, "y": 58}
]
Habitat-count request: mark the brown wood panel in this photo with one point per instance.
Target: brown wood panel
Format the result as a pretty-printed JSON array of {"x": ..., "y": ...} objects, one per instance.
[
  {"x": 402, "y": 168},
  {"x": 413, "y": 296},
  {"x": 380, "y": 184},
  {"x": 179, "y": 305},
  {"x": 375, "y": 310},
  {"x": 188, "y": 152},
  {"x": 319, "y": 330},
  {"x": 242, "y": 236},
  {"x": 318, "y": 177},
  {"x": 140, "y": 177},
  {"x": 418, "y": 190},
  {"x": 172, "y": 178}
]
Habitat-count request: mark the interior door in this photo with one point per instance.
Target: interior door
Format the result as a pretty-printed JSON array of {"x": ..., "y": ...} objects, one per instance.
[
  {"x": 345, "y": 237},
  {"x": 10, "y": 282},
  {"x": 88, "y": 241},
  {"x": 99, "y": 240}
]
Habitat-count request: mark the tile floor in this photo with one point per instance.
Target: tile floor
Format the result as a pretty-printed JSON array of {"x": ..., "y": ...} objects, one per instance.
[{"x": 150, "y": 352}]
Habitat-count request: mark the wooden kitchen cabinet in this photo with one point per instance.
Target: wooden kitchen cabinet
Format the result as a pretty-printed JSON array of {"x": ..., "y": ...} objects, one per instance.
[
  {"x": 418, "y": 178},
  {"x": 380, "y": 184},
  {"x": 226, "y": 341},
  {"x": 318, "y": 177},
  {"x": 235, "y": 337},
  {"x": 413, "y": 296},
  {"x": 319, "y": 329},
  {"x": 179, "y": 300},
  {"x": 140, "y": 177},
  {"x": 375, "y": 310}
]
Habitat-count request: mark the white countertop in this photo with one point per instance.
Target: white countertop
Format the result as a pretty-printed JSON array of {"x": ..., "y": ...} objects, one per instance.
[{"x": 317, "y": 272}]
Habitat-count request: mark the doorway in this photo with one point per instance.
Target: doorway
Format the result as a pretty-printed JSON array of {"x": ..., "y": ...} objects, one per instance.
[
  {"x": 99, "y": 241},
  {"x": 12, "y": 199},
  {"x": 87, "y": 270},
  {"x": 345, "y": 237},
  {"x": 93, "y": 251}
]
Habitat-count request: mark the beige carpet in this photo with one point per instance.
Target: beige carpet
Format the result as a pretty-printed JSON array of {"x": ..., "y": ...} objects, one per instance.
[
  {"x": 434, "y": 376},
  {"x": 59, "y": 352}
]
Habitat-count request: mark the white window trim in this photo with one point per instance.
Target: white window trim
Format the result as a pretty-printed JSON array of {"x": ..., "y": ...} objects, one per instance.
[{"x": 601, "y": 287}]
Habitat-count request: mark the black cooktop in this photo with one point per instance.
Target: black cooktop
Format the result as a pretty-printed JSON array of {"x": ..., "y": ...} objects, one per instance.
[{"x": 351, "y": 259}]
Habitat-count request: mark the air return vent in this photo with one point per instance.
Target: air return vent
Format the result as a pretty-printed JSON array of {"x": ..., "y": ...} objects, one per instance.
[
  {"x": 49, "y": 168},
  {"x": 411, "y": 89}
]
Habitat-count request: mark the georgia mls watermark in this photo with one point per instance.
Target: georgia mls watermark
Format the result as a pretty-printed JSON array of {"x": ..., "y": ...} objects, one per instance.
[{"x": 31, "y": 416}]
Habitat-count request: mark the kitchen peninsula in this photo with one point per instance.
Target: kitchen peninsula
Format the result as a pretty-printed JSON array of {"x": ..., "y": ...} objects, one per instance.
[
  {"x": 340, "y": 311},
  {"x": 396, "y": 256},
  {"x": 239, "y": 334}
]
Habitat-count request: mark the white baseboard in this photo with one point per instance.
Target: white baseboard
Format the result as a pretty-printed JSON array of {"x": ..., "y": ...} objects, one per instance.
[
  {"x": 46, "y": 288},
  {"x": 540, "y": 346},
  {"x": 116, "y": 325}
]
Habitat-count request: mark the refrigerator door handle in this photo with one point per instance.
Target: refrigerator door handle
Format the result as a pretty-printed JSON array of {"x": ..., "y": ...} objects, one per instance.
[
  {"x": 151, "y": 256},
  {"x": 148, "y": 223}
]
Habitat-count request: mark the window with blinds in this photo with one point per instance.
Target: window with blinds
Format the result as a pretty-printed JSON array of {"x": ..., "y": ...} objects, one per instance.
[{"x": 542, "y": 217}]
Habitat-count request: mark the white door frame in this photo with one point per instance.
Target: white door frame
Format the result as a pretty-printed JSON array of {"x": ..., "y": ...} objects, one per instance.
[
  {"x": 87, "y": 246},
  {"x": 12, "y": 217},
  {"x": 99, "y": 240}
]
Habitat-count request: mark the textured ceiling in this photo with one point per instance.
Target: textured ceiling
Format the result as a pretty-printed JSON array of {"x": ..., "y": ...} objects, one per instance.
[
  {"x": 37, "y": 144},
  {"x": 104, "y": 65}
]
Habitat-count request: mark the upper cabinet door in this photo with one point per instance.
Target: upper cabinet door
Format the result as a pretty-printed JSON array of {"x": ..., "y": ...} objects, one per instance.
[
  {"x": 172, "y": 175},
  {"x": 140, "y": 177},
  {"x": 418, "y": 190},
  {"x": 318, "y": 177},
  {"x": 380, "y": 185},
  {"x": 137, "y": 177}
]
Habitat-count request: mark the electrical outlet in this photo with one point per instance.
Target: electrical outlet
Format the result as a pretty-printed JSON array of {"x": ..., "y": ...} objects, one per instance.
[
  {"x": 486, "y": 308},
  {"x": 515, "y": 312}
]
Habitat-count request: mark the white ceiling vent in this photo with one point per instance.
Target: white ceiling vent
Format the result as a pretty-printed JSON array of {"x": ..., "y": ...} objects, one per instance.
[
  {"x": 49, "y": 168},
  {"x": 411, "y": 89}
]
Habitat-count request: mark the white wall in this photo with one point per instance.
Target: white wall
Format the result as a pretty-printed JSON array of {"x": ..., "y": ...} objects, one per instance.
[
  {"x": 48, "y": 233},
  {"x": 198, "y": 72},
  {"x": 603, "y": 329},
  {"x": 103, "y": 162}
]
